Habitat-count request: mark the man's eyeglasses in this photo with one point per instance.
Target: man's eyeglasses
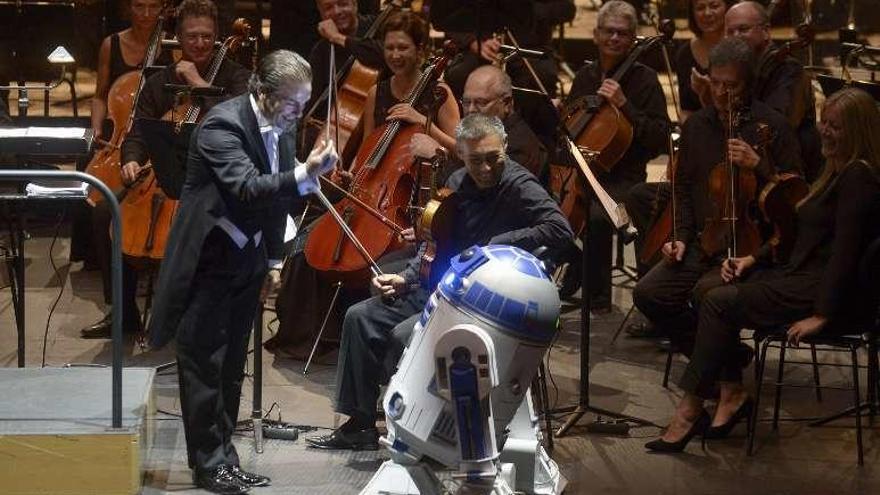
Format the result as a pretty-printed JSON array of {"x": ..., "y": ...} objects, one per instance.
[
  {"x": 480, "y": 103},
  {"x": 742, "y": 29},
  {"x": 610, "y": 32},
  {"x": 490, "y": 158}
]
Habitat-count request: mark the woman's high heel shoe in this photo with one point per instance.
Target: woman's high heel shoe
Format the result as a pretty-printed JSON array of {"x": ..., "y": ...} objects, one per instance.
[
  {"x": 699, "y": 426},
  {"x": 721, "y": 431}
]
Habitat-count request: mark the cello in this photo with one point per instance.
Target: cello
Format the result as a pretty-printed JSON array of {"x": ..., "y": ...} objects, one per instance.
[
  {"x": 121, "y": 103},
  {"x": 383, "y": 180},
  {"x": 146, "y": 212},
  {"x": 595, "y": 125}
]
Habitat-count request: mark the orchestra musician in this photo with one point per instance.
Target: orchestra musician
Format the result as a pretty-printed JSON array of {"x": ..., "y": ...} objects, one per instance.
[
  {"x": 224, "y": 248},
  {"x": 342, "y": 26},
  {"x": 488, "y": 91},
  {"x": 122, "y": 52},
  {"x": 501, "y": 203},
  {"x": 706, "y": 22},
  {"x": 405, "y": 42},
  {"x": 646, "y": 200},
  {"x": 815, "y": 292},
  {"x": 196, "y": 31},
  {"x": 533, "y": 31},
  {"x": 781, "y": 84},
  {"x": 665, "y": 293},
  {"x": 640, "y": 99}
]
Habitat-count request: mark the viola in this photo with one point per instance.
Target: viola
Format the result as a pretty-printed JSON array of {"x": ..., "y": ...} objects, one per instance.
[
  {"x": 732, "y": 227},
  {"x": 383, "y": 180},
  {"x": 146, "y": 211}
]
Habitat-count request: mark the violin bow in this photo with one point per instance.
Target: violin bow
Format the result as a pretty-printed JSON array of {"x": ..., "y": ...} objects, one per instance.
[
  {"x": 331, "y": 104},
  {"x": 374, "y": 267}
]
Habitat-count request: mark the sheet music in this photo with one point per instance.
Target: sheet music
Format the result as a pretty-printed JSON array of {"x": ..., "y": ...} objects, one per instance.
[
  {"x": 44, "y": 132},
  {"x": 35, "y": 190}
]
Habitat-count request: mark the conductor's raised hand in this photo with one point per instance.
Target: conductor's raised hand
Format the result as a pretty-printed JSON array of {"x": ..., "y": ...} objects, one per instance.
[{"x": 322, "y": 160}]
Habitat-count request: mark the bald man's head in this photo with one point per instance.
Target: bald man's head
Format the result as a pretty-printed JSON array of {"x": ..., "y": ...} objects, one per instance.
[
  {"x": 749, "y": 22},
  {"x": 488, "y": 91}
]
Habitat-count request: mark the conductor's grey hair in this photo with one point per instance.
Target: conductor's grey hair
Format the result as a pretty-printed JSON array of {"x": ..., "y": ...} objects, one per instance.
[{"x": 277, "y": 69}]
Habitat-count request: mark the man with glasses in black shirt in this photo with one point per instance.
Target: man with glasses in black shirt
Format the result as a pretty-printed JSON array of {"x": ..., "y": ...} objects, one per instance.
[{"x": 640, "y": 99}]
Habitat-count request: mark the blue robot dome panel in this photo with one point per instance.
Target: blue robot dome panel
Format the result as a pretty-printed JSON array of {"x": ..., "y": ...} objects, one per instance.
[{"x": 504, "y": 285}]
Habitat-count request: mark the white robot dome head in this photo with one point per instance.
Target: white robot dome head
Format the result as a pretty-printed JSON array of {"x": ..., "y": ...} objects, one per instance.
[{"x": 507, "y": 287}]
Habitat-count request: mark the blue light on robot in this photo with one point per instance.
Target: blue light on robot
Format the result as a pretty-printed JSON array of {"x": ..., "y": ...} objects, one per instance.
[
  {"x": 396, "y": 406},
  {"x": 517, "y": 259}
]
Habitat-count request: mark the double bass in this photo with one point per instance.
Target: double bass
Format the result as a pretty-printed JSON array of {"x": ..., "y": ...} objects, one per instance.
[
  {"x": 146, "y": 211},
  {"x": 383, "y": 181}
]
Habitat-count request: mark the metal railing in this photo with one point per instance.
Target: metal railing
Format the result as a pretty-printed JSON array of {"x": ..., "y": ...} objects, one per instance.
[{"x": 115, "y": 263}]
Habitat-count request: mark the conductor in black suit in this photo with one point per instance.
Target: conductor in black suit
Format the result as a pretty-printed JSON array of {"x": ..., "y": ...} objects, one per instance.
[{"x": 227, "y": 236}]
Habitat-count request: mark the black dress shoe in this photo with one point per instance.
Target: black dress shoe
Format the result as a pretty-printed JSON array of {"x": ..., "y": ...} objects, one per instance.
[
  {"x": 221, "y": 480},
  {"x": 643, "y": 331},
  {"x": 366, "y": 439},
  {"x": 699, "y": 426},
  {"x": 249, "y": 479},
  {"x": 721, "y": 431},
  {"x": 99, "y": 330},
  {"x": 104, "y": 328}
]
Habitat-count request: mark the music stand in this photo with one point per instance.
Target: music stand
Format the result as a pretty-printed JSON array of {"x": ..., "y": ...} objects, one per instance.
[{"x": 831, "y": 85}]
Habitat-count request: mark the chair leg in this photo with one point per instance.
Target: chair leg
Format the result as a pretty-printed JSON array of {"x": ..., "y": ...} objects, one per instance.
[
  {"x": 857, "y": 402},
  {"x": 872, "y": 381},
  {"x": 782, "y": 347},
  {"x": 759, "y": 381},
  {"x": 818, "y": 385},
  {"x": 669, "y": 356}
]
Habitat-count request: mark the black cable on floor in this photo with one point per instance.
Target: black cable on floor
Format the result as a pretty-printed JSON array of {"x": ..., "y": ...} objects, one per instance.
[{"x": 60, "y": 291}]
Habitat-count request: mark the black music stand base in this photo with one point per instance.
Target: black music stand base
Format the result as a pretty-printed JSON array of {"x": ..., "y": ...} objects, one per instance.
[{"x": 583, "y": 406}]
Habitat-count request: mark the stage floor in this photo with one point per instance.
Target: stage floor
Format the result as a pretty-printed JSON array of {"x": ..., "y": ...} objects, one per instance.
[{"x": 625, "y": 377}]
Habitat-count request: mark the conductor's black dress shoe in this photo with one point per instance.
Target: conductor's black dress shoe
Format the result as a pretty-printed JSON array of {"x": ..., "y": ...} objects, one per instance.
[{"x": 220, "y": 480}]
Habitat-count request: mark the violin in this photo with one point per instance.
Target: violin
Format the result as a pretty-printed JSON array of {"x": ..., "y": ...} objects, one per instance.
[
  {"x": 733, "y": 227},
  {"x": 778, "y": 202},
  {"x": 121, "y": 102},
  {"x": 146, "y": 212},
  {"x": 382, "y": 180}
]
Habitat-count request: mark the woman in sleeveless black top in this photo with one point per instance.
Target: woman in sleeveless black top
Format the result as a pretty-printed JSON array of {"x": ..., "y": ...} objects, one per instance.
[
  {"x": 706, "y": 21},
  {"x": 130, "y": 44},
  {"x": 405, "y": 39}
]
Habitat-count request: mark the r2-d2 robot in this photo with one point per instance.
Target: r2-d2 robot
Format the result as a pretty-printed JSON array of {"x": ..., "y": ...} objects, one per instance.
[{"x": 460, "y": 398}]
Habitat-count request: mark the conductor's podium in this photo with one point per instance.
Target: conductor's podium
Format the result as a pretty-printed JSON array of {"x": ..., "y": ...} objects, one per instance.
[{"x": 56, "y": 436}]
